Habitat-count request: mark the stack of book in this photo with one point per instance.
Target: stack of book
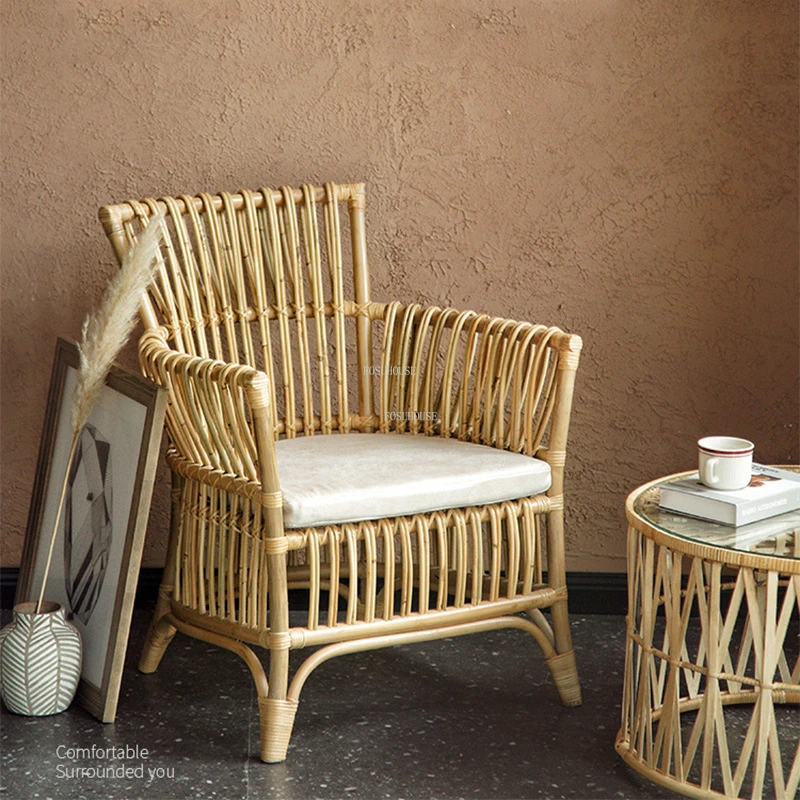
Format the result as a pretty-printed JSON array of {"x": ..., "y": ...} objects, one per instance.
[{"x": 771, "y": 492}]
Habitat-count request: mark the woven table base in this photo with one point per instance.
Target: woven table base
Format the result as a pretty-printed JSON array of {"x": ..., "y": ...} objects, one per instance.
[{"x": 702, "y": 636}]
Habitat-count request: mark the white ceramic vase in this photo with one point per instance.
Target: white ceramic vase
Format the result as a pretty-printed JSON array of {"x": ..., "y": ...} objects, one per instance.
[{"x": 40, "y": 660}]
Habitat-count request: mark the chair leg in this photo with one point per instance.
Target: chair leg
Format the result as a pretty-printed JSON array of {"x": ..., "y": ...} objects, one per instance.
[
  {"x": 276, "y": 709},
  {"x": 565, "y": 676},
  {"x": 276, "y": 722},
  {"x": 562, "y": 665},
  {"x": 159, "y": 635}
]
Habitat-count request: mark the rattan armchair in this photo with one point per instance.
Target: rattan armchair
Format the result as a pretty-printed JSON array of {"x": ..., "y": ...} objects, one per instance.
[{"x": 400, "y": 467}]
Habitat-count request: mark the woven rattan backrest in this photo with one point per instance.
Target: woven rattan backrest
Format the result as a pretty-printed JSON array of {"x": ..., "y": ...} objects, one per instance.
[
  {"x": 259, "y": 278},
  {"x": 466, "y": 375}
]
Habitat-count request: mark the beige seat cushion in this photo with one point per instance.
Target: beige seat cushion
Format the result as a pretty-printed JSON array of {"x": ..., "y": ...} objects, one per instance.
[{"x": 338, "y": 478}]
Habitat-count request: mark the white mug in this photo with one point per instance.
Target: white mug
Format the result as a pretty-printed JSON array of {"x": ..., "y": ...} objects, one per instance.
[{"x": 725, "y": 462}]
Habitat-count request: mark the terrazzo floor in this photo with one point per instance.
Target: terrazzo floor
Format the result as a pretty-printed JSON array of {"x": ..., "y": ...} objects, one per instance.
[{"x": 470, "y": 717}]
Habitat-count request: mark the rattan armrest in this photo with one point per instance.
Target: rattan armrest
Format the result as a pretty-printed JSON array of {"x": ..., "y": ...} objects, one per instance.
[
  {"x": 214, "y": 410},
  {"x": 487, "y": 379}
]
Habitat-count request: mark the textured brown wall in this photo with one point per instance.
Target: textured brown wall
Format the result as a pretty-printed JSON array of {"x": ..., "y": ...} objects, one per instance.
[{"x": 627, "y": 170}]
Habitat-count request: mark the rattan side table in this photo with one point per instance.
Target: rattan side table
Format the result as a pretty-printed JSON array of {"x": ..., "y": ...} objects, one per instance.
[{"x": 712, "y": 632}]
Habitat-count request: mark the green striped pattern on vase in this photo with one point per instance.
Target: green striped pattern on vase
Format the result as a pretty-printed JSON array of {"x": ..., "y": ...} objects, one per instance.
[{"x": 40, "y": 660}]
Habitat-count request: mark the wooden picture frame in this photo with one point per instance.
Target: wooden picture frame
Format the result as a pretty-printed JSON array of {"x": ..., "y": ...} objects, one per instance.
[{"x": 98, "y": 548}]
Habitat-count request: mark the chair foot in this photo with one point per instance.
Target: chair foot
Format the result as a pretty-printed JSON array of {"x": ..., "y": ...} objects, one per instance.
[
  {"x": 159, "y": 636},
  {"x": 565, "y": 675},
  {"x": 277, "y": 719}
]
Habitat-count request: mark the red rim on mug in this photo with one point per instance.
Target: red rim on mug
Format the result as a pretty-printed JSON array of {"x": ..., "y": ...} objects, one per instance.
[{"x": 725, "y": 446}]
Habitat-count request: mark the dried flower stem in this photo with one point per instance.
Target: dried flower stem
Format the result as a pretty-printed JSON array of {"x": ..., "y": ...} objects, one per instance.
[{"x": 104, "y": 334}]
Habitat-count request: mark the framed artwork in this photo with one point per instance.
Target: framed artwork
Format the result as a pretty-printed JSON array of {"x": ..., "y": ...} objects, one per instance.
[{"x": 98, "y": 547}]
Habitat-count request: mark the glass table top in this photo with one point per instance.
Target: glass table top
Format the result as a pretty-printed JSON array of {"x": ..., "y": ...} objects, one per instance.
[{"x": 776, "y": 536}]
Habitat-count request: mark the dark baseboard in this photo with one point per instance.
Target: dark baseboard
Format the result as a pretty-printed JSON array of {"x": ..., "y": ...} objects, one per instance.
[
  {"x": 598, "y": 592},
  {"x": 146, "y": 589},
  {"x": 589, "y": 592}
]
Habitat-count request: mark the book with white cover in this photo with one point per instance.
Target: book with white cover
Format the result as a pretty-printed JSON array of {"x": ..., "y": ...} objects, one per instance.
[{"x": 772, "y": 491}]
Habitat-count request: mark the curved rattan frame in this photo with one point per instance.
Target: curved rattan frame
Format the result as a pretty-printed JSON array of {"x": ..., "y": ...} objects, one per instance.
[{"x": 256, "y": 328}]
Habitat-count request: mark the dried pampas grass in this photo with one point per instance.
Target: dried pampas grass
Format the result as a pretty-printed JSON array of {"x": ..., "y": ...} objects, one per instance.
[{"x": 105, "y": 332}]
